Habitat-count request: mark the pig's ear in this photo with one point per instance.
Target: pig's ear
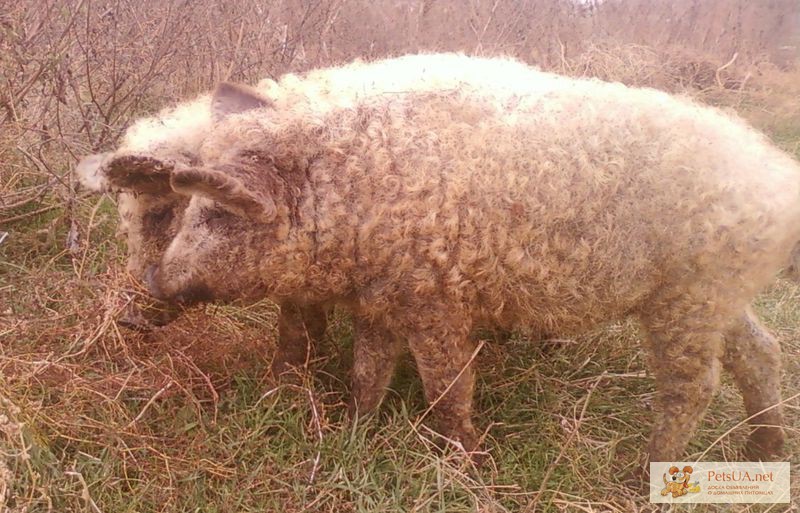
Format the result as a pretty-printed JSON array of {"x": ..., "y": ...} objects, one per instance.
[
  {"x": 225, "y": 189},
  {"x": 90, "y": 173},
  {"x": 233, "y": 99},
  {"x": 106, "y": 172},
  {"x": 139, "y": 173}
]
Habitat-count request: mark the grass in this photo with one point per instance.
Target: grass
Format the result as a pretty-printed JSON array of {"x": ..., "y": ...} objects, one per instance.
[
  {"x": 133, "y": 423},
  {"x": 95, "y": 418}
]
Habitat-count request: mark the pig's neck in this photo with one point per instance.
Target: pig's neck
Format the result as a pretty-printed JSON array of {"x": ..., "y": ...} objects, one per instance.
[
  {"x": 323, "y": 257},
  {"x": 323, "y": 234}
]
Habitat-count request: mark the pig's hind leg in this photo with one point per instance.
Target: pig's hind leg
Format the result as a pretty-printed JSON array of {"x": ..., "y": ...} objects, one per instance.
[
  {"x": 685, "y": 339},
  {"x": 438, "y": 337},
  {"x": 753, "y": 357}
]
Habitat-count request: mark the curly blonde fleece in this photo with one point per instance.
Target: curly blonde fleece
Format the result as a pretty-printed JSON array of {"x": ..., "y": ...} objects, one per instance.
[
  {"x": 515, "y": 197},
  {"x": 564, "y": 206},
  {"x": 183, "y": 128},
  {"x": 177, "y": 132},
  {"x": 504, "y": 195}
]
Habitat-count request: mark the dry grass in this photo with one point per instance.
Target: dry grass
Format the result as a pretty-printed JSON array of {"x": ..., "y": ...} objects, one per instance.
[{"x": 95, "y": 418}]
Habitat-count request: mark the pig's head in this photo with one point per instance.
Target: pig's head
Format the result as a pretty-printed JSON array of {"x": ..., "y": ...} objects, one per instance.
[
  {"x": 198, "y": 231},
  {"x": 233, "y": 234}
]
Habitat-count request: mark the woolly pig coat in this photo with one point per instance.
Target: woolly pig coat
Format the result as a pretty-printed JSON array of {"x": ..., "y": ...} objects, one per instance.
[
  {"x": 433, "y": 193},
  {"x": 541, "y": 199}
]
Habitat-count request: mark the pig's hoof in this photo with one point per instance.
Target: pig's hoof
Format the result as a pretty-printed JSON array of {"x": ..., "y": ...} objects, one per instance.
[{"x": 765, "y": 444}]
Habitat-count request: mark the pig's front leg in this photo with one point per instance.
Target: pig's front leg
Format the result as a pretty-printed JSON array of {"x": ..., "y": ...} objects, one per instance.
[
  {"x": 375, "y": 353},
  {"x": 438, "y": 338},
  {"x": 300, "y": 330}
]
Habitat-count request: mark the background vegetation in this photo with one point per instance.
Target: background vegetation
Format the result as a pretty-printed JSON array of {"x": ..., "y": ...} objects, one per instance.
[{"x": 94, "y": 418}]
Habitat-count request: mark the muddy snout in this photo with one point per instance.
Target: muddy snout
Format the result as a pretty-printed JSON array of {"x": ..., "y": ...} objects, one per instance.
[
  {"x": 148, "y": 311},
  {"x": 144, "y": 315},
  {"x": 190, "y": 295}
]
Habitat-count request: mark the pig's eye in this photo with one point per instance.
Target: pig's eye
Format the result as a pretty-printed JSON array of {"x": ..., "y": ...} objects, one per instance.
[
  {"x": 158, "y": 220},
  {"x": 213, "y": 218}
]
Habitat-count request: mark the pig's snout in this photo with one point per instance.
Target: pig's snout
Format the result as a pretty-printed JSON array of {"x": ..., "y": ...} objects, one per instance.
[
  {"x": 189, "y": 295},
  {"x": 145, "y": 315}
]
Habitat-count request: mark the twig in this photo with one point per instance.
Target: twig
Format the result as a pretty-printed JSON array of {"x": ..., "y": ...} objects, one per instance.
[
  {"x": 717, "y": 75},
  {"x": 88, "y": 234},
  {"x": 731, "y": 430},
  {"x": 87, "y": 498},
  {"x": 318, "y": 426},
  {"x": 566, "y": 444},
  {"x": 479, "y": 46},
  {"x": 150, "y": 402},
  {"x": 28, "y": 214},
  {"x": 463, "y": 369}
]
